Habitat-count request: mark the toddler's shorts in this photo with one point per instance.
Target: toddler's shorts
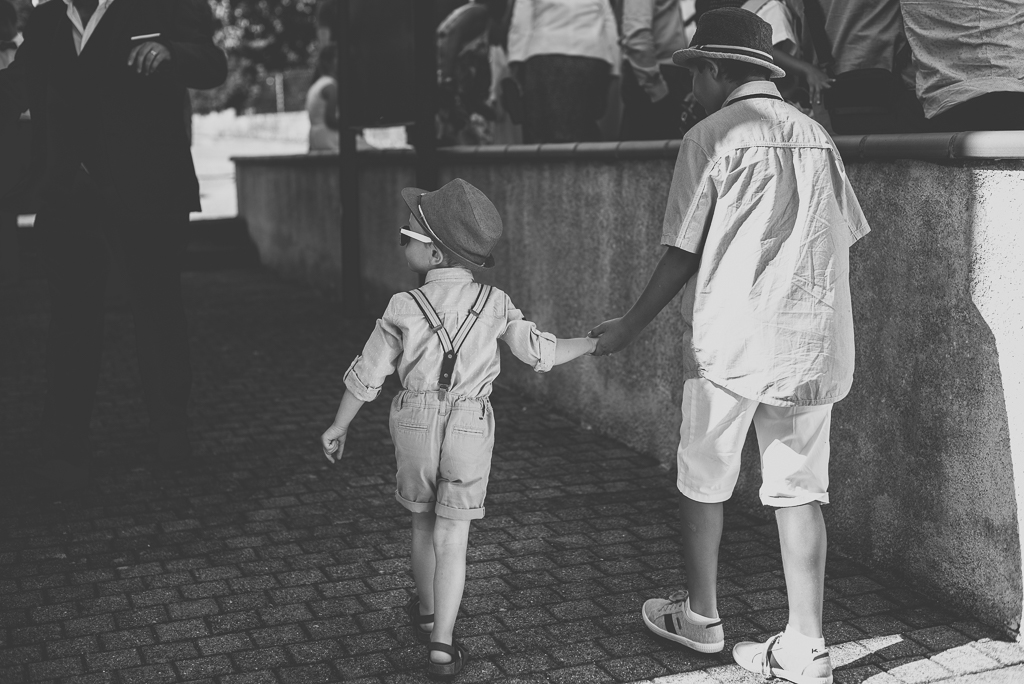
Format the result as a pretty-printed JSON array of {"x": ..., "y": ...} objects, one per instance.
[
  {"x": 443, "y": 453},
  {"x": 793, "y": 442}
]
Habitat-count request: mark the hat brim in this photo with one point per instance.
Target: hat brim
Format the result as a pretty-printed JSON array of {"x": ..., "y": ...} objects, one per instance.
[
  {"x": 411, "y": 195},
  {"x": 684, "y": 57}
]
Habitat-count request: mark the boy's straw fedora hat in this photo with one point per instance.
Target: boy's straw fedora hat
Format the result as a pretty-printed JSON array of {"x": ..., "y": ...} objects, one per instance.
[
  {"x": 732, "y": 33},
  {"x": 460, "y": 220}
]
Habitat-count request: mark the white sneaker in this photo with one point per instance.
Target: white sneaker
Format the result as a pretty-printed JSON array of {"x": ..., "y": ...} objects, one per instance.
[
  {"x": 772, "y": 660},
  {"x": 672, "y": 619}
]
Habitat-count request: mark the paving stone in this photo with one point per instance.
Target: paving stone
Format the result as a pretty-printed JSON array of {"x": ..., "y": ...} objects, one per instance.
[
  {"x": 916, "y": 670},
  {"x": 966, "y": 659},
  {"x": 169, "y": 653}
]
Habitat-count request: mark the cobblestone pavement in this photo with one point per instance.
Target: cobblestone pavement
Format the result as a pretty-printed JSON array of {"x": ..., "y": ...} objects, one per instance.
[{"x": 270, "y": 565}]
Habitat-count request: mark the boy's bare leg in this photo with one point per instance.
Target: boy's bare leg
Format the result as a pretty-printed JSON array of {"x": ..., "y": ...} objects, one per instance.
[
  {"x": 451, "y": 537},
  {"x": 423, "y": 561},
  {"x": 702, "y": 537},
  {"x": 803, "y": 538}
]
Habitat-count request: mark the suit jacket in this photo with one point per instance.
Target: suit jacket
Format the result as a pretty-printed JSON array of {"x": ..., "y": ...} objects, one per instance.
[{"x": 92, "y": 109}]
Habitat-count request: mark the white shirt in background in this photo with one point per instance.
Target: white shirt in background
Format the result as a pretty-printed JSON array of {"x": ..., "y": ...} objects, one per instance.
[
  {"x": 965, "y": 48},
  {"x": 580, "y": 28}
]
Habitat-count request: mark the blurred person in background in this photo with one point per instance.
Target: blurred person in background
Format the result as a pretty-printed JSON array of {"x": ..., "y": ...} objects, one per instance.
[
  {"x": 322, "y": 103},
  {"x": 870, "y": 60},
  {"x": 653, "y": 88},
  {"x": 563, "y": 55},
  {"x": 117, "y": 185},
  {"x": 970, "y": 62}
]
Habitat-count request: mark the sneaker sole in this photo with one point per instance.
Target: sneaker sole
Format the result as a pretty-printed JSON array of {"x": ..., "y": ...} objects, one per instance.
[
  {"x": 689, "y": 643},
  {"x": 784, "y": 674}
]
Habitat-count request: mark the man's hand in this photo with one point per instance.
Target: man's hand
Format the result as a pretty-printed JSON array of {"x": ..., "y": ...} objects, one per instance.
[
  {"x": 612, "y": 336},
  {"x": 147, "y": 57},
  {"x": 333, "y": 442},
  {"x": 817, "y": 81}
]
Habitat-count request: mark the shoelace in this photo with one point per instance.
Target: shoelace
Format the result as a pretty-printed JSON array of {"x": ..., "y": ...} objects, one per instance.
[
  {"x": 766, "y": 657},
  {"x": 679, "y": 597}
]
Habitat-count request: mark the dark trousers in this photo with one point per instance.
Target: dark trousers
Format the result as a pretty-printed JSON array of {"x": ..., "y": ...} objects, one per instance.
[
  {"x": 82, "y": 239},
  {"x": 646, "y": 120},
  {"x": 1003, "y": 111},
  {"x": 563, "y": 98}
]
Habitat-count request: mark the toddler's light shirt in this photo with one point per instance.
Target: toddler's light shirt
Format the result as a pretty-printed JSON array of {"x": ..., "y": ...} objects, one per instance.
[
  {"x": 402, "y": 340},
  {"x": 760, "y": 192}
]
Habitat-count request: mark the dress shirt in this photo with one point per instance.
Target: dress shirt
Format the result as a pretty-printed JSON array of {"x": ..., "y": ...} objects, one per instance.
[
  {"x": 964, "y": 49},
  {"x": 651, "y": 31},
  {"x": 760, "y": 192},
  {"x": 581, "y": 28},
  {"x": 402, "y": 340},
  {"x": 81, "y": 33}
]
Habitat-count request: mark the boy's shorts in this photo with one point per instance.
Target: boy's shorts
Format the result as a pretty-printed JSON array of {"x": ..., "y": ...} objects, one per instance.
[
  {"x": 793, "y": 441},
  {"x": 443, "y": 452}
]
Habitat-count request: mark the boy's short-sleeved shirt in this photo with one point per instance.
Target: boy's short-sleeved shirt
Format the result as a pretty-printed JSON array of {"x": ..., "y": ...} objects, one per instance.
[
  {"x": 760, "y": 192},
  {"x": 402, "y": 340}
]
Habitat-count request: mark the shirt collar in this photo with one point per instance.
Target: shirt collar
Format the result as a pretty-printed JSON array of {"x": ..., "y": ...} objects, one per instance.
[
  {"x": 451, "y": 275},
  {"x": 753, "y": 88}
]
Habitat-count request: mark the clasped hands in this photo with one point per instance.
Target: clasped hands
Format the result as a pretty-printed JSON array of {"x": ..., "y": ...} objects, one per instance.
[{"x": 612, "y": 336}]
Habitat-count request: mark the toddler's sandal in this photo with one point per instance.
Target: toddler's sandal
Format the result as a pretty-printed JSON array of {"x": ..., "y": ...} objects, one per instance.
[
  {"x": 446, "y": 670},
  {"x": 417, "y": 621}
]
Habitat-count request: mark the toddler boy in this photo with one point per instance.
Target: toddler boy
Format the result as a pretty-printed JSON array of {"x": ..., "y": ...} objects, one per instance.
[
  {"x": 442, "y": 339},
  {"x": 758, "y": 227}
]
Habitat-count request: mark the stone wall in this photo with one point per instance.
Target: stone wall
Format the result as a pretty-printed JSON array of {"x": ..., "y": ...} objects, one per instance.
[{"x": 928, "y": 449}]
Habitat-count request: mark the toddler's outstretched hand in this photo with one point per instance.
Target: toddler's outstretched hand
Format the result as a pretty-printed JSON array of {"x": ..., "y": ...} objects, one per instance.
[{"x": 333, "y": 442}]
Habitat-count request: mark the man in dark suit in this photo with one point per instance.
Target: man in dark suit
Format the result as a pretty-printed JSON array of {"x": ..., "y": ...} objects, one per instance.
[{"x": 105, "y": 81}]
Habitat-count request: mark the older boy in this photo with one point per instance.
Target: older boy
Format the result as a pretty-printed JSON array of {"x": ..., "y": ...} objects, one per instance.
[{"x": 758, "y": 227}]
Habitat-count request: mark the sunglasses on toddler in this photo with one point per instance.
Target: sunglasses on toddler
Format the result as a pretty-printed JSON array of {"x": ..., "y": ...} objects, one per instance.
[{"x": 403, "y": 239}]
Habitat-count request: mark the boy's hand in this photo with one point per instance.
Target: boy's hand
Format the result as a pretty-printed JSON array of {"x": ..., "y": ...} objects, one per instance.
[
  {"x": 611, "y": 336},
  {"x": 333, "y": 442}
]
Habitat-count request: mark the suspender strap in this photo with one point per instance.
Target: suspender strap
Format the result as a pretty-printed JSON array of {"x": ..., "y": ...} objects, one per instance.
[
  {"x": 433, "y": 319},
  {"x": 474, "y": 315},
  {"x": 451, "y": 350}
]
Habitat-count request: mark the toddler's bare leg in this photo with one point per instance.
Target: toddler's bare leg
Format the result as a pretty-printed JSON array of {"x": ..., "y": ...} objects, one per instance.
[
  {"x": 423, "y": 561},
  {"x": 451, "y": 537},
  {"x": 804, "y": 540},
  {"x": 702, "y": 537}
]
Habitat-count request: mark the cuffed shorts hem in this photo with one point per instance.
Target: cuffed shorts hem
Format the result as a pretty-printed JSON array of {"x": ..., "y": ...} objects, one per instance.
[
  {"x": 443, "y": 511},
  {"x": 793, "y": 501},
  {"x": 415, "y": 506},
  {"x": 702, "y": 497}
]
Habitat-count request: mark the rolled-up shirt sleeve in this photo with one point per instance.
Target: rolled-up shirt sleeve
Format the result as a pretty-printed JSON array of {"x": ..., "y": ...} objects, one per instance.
[
  {"x": 366, "y": 374},
  {"x": 530, "y": 345}
]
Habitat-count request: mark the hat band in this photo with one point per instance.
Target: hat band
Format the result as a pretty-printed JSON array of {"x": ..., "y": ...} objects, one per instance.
[
  {"x": 736, "y": 49},
  {"x": 426, "y": 224}
]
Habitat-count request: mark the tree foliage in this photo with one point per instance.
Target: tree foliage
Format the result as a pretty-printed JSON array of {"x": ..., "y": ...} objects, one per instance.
[{"x": 261, "y": 38}]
